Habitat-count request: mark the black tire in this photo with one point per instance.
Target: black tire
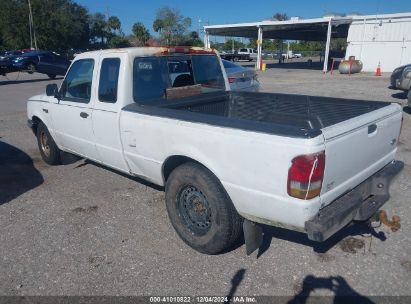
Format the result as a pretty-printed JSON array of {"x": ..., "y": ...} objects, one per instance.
[
  {"x": 51, "y": 76},
  {"x": 31, "y": 68},
  {"x": 200, "y": 210},
  {"x": 235, "y": 59},
  {"x": 49, "y": 151}
]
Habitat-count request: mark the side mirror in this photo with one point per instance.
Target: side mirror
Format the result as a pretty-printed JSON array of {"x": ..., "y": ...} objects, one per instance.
[{"x": 52, "y": 90}]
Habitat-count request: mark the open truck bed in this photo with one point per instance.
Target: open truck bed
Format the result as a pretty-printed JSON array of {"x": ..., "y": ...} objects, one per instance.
[{"x": 297, "y": 116}]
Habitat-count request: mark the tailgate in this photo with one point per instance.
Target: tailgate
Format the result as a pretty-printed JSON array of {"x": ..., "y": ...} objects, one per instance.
[{"x": 357, "y": 148}]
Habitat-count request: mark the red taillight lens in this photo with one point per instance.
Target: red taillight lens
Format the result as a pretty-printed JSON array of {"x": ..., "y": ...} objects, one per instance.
[
  {"x": 231, "y": 79},
  {"x": 305, "y": 176}
]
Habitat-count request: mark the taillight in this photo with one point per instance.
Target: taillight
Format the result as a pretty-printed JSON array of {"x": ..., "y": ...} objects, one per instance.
[
  {"x": 305, "y": 176},
  {"x": 231, "y": 79}
]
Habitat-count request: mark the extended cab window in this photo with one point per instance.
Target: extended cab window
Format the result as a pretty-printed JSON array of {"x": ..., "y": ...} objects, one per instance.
[
  {"x": 170, "y": 77},
  {"x": 107, "y": 90},
  {"x": 76, "y": 86},
  {"x": 150, "y": 78}
]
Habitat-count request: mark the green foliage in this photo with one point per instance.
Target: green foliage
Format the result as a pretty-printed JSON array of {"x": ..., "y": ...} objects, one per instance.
[
  {"x": 171, "y": 25},
  {"x": 280, "y": 16},
  {"x": 114, "y": 24},
  {"x": 141, "y": 33},
  {"x": 118, "y": 42},
  {"x": 228, "y": 45},
  {"x": 58, "y": 24}
]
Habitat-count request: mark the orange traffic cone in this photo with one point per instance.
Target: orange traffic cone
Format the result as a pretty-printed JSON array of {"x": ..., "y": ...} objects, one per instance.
[{"x": 378, "y": 72}]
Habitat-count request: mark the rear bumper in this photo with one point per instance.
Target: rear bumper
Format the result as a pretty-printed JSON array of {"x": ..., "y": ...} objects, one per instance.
[{"x": 359, "y": 204}]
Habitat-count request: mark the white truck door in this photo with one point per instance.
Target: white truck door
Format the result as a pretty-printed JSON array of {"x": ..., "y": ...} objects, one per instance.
[
  {"x": 106, "y": 112},
  {"x": 72, "y": 115}
]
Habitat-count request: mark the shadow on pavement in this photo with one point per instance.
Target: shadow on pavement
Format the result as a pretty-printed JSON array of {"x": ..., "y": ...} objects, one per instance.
[
  {"x": 134, "y": 178},
  {"x": 400, "y": 95},
  {"x": 343, "y": 292},
  {"x": 235, "y": 282},
  {"x": 301, "y": 238},
  {"x": 407, "y": 110},
  {"x": 17, "y": 173}
]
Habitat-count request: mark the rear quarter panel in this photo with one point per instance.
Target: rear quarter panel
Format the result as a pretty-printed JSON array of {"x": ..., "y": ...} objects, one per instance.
[{"x": 252, "y": 167}]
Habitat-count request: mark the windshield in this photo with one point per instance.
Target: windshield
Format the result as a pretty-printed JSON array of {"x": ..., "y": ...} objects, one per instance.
[{"x": 170, "y": 77}]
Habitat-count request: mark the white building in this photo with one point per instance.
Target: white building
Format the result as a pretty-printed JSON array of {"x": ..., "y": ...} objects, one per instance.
[
  {"x": 373, "y": 39},
  {"x": 384, "y": 39}
]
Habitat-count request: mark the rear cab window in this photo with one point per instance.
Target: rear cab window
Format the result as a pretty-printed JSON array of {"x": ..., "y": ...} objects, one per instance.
[
  {"x": 108, "y": 84},
  {"x": 169, "y": 77}
]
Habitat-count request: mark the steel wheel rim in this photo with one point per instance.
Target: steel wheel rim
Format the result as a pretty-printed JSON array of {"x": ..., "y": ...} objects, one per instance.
[
  {"x": 194, "y": 210},
  {"x": 44, "y": 143}
]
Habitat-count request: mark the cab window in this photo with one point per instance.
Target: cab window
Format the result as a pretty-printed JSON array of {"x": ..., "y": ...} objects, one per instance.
[
  {"x": 108, "y": 84},
  {"x": 76, "y": 86}
]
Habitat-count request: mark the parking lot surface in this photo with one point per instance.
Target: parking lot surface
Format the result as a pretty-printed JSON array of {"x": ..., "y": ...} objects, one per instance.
[{"x": 81, "y": 229}]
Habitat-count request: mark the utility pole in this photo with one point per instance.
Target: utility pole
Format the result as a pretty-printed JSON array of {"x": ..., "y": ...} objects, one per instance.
[{"x": 32, "y": 29}]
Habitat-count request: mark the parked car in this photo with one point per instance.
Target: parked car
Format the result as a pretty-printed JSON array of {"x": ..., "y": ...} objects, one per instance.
[
  {"x": 248, "y": 54},
  {"x": 44, "y": 62},
  {"x": 401, "y": 79},
  {"x": 6, "y": 61},
  {"x": 240, "y": 78},
  {"x": 227, "y": 160}
]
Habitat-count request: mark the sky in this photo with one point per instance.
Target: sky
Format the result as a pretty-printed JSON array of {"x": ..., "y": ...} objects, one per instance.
[{"x": 236, "y": 11}]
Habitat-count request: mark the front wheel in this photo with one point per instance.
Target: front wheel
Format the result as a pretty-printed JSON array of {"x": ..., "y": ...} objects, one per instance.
[
  {"x": 49, "y": 151},
  {"x": 200, "y": 210}
]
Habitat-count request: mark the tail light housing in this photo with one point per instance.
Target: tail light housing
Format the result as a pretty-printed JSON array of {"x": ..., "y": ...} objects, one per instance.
[{"x": 305, "y": 176}]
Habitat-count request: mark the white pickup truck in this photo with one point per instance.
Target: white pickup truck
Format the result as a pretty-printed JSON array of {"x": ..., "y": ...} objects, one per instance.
[{"x": 229, "y": 161}]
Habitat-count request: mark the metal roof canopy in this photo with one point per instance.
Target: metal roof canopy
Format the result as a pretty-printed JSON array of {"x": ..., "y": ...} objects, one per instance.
[
  {"x": 305, "y": 29},
  {"x": 319, "y": 29}
]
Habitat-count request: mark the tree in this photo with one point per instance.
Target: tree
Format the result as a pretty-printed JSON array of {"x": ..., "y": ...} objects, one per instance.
[
  {"x": 171, "y": 25},
  {"x": 114, "y": 24},
  {"x": 63, "y": 25},
  {"x": 280, "y": 16},
  {"x": 141, "y": 33},
  {"x": 158, "y": 25},
  {"x": 118, "y": 41},
  {"x": 98, "y": 28}
]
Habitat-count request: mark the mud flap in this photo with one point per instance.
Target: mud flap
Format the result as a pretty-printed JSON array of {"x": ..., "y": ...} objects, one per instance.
[{"x": 253, "y": 236}]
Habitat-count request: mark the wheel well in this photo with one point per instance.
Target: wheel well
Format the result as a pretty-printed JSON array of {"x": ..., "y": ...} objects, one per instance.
[
  {"x": 173, "y": 162},
  {"x": 36, "y": 122}
]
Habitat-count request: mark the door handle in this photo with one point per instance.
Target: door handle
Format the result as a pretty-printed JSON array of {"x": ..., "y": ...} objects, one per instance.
[
  {"x": 83, "y": 115},
  {"x": 372, "y": 128}
]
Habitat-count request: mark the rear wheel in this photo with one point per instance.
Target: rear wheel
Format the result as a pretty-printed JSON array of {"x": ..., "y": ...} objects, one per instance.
[
  {"x": 31, "y": 68},
  {"x": 200, "y": 210},
  {"x": 49, "y": 151}
]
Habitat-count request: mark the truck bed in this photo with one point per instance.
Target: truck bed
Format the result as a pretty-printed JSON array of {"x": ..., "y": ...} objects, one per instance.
[{"x": 298, "y": 116}]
